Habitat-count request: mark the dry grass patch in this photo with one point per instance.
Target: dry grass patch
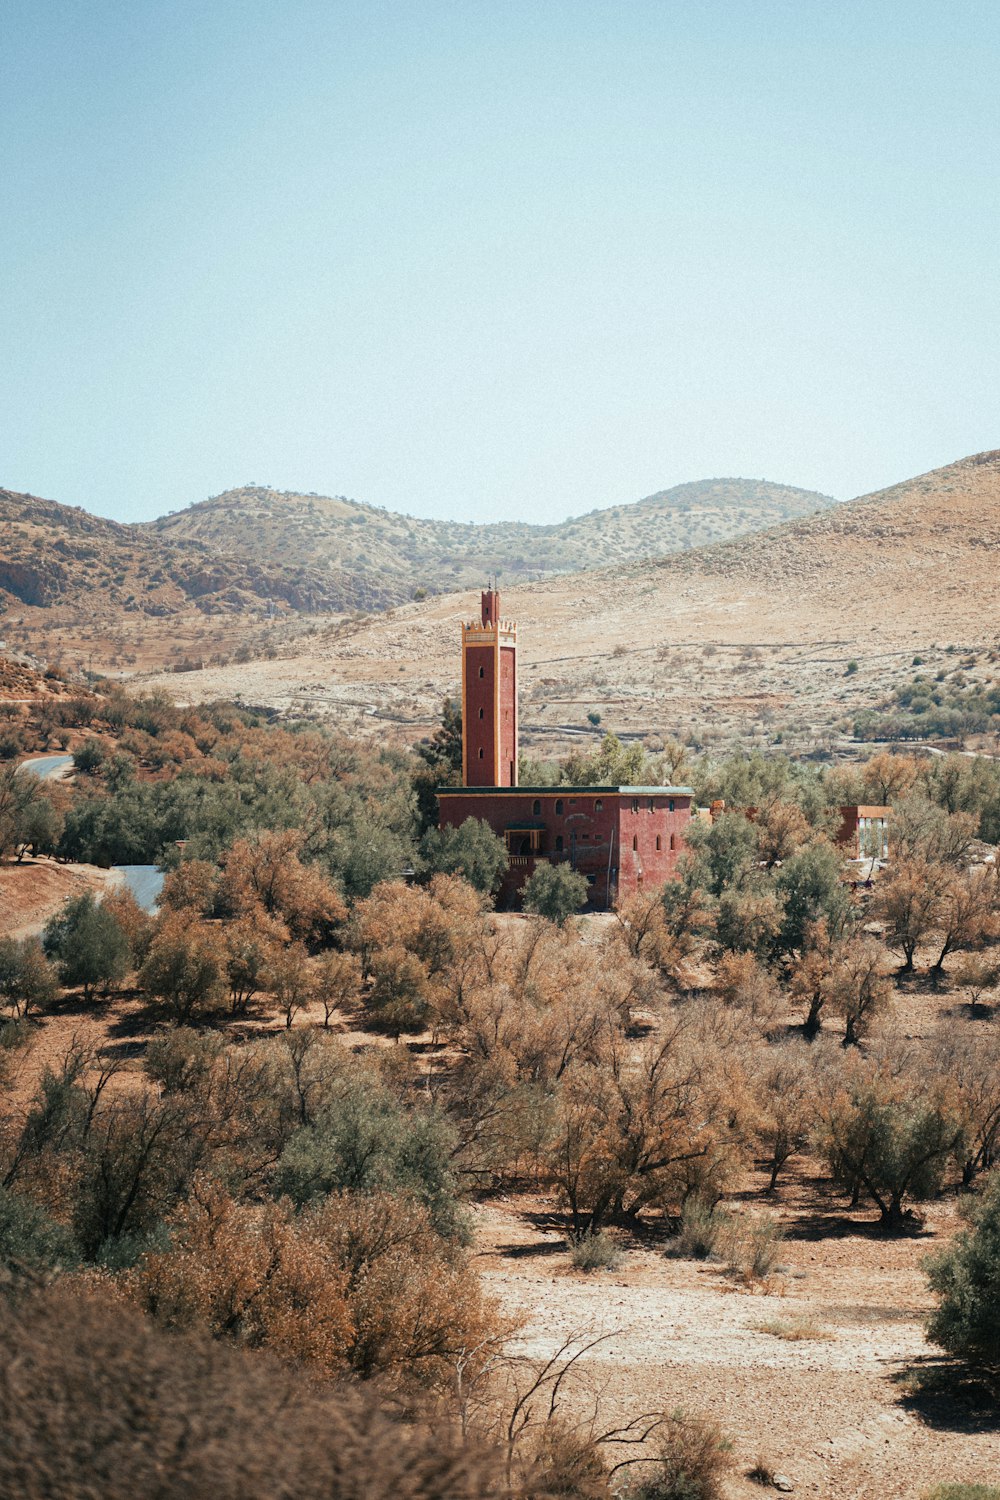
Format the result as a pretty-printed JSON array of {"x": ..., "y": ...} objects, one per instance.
[{"x": 794, "y": 1329}]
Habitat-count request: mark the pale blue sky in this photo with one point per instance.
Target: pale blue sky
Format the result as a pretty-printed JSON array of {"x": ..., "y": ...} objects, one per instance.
[{"x": 484, "y": 261}]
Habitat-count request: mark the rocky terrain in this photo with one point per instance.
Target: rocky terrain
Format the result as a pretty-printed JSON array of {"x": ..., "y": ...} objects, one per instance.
[
  {"x": 60, "y": 558},
  {"x": 398, "y": 556},
  {"x": 254, "y": 550}
]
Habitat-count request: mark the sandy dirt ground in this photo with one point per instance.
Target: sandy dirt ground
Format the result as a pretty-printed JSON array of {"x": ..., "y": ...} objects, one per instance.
[
  {"x": 829, "y": 1412},
  {"x": 31, "y": 891}
]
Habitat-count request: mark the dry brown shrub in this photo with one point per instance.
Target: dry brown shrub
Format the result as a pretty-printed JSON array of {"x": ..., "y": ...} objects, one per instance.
[
  {"x": 247, "y": 1273},
  {"x": 337, "y": 982},
  {"x": 692, "y": 1462},
  {"x": 97, "y": 1404},
  {"x": 362, "y": 1282},
  {"x": 136, "y": 924},
  {"x": 441, "y": 930},
  {"x": 643, "y": 930},
  {"x": 742, "y": 981},
  {"x": 193, "y": 885},
  {"x": 252, "y": 946},
  {"x": 265, "y": 871},
  {"x": 416, "y": 1304},
  {"x": 784, "y": 1090},
  {"x": 859, "y": 986},
  {"x": 561, "y": 1462},
  {"x": 782, "y": 829},
  {"x": 183, "y": 966}
]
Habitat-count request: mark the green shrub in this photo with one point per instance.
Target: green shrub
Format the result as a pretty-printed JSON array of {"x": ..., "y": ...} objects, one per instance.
[
  {"x": 594, "y": 1251},
  {"x": 89, "y": 757},
  {"x": 364, "y": 1141},
  {"x": 472, "y": 850},
  {"x": 27, "y": 982},
  {"x": 966, "y": 1275},
  {"x": 701, "y": 1226},
  {"x": 88, "y": 945},
  {"x": 29, "y": 1239},
  {"x": 554, "y": 891}
]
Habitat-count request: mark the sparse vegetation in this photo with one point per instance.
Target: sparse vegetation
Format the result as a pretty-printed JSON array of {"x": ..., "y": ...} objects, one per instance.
[
  {"x": 966, "y": 1276},
  {"x": 692, "y": 1462},
  {"x": 794, "y": 1330},
  {"x": 275, "y": 1098},
  {"x": 594, "y": 1251}
]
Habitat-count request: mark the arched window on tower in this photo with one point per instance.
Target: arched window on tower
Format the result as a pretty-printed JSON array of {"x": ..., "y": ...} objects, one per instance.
[
  {"x": 480, "y": 755},
  {"x": 536, "y": 808},
  {"x": 673, "y": 841},
  {"x": 659, "y": 843},
  {"x": 635, "y": 842},
  {"x": 482, "y": 671},
  {"x": 558, "y": 804},
  {"x": 482, "y": 712}
]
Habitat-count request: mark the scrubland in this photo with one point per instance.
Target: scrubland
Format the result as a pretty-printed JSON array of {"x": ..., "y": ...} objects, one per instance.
[{"x": 562, "y": 1203}]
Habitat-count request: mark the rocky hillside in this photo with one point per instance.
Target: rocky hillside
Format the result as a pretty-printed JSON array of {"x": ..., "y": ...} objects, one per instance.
[
  {"x": 935, "y": 534},
  {"x": 398, "y": 557},
  {"x": 794, "y": 630},
  {"x": 58, "y": 555}
]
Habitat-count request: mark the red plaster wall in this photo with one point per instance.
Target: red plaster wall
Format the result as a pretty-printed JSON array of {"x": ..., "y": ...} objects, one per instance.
[
  {"x": 507, "y": 769},
  {"x": 648, "y": 866},
  {"x": 480, "y": 694},
  {"x": 589, "y": 834}
]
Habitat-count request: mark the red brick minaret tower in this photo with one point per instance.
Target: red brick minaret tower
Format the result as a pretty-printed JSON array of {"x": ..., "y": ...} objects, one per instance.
[{"x": 489, "y": 697}]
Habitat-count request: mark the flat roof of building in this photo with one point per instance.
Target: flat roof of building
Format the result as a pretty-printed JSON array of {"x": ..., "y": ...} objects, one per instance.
[{"x": 564, "y": 791}]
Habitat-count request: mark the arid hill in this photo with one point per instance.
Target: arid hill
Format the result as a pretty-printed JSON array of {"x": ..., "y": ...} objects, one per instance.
[
  {"x": 249, "y": 549},
  {"x": 794, "y": 629},
  {"x": 55, "y": 555},
  {"x": 399, "y": 557}
]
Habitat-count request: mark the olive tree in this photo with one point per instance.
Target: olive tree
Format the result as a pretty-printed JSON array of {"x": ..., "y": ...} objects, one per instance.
[
  {"x": 88, "y": 944},
  {"x": 555, "y": 892},
  {"x": 966, "y": 1276}
]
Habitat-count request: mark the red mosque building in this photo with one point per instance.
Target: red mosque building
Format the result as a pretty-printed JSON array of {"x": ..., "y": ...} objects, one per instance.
[{"x": 622, "y": 838}]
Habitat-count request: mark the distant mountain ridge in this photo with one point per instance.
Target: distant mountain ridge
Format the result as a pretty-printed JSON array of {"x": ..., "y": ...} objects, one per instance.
[
  {"x": 401, "y": 556},
  {"x": 312, "y": 553}
]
